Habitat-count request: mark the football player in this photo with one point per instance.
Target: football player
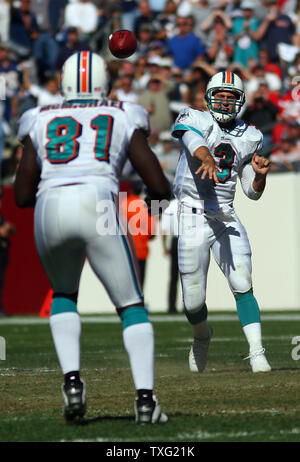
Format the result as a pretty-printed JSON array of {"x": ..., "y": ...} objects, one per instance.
[
  {"x": 72, "y": 159},
  {"x": 216, "y": 150}
]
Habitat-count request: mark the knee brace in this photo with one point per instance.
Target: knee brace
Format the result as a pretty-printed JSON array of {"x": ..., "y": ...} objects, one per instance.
[
  {"x": 195, "y": 317},
  {"x": 63, "y": 303},
  {"x": 133, "y": 315}
]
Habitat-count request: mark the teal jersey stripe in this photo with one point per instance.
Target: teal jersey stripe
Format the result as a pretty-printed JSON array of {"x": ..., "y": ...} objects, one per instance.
[
  {"x": 180, "y": 127},
  {"x": 126, "y": 245}
]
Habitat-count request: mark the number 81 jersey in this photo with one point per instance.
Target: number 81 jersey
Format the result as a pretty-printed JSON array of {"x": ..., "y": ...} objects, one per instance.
[
  {"x": 232, "y": 149},
  {"x": 82, "y": 141}
]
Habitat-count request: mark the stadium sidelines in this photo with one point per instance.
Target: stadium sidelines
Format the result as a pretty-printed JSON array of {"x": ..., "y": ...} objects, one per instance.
[{"x": 155, "y": 318}]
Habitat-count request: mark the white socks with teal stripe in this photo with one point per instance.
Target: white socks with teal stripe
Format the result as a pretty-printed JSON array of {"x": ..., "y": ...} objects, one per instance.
[
  {"x": 66, "y": 330},
  {"x": 139, "y": 343},
  {"x": 253, "y": 335}
]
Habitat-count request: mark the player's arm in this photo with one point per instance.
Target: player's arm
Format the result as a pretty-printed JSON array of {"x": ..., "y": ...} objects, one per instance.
[
  {"x": 198, "y": 148},
  {"x": 145, "y": 162},
  {"x": 253, "y": 176},
  {"x": 261, "y": 167},
  {"x": 27, "y": 177}
]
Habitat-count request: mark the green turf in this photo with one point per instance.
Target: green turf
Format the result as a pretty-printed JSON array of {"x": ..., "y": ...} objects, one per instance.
[{"x": 226, "y": 403}]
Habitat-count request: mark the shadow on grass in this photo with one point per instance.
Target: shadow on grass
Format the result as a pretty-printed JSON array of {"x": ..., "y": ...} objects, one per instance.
[{"x": 85, "y": 421}]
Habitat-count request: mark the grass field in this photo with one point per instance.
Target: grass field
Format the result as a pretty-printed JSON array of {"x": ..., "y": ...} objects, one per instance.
[{"x": 227, "y": 403}]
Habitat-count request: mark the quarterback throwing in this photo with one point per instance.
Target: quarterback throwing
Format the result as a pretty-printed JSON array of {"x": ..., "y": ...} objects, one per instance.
[{"x": 216, "y": 150}]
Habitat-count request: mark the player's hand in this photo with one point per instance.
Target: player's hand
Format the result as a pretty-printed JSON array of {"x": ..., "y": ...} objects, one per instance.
[
  {"x": 261, "y": 165},
  {"x": 208, "y": 167}
]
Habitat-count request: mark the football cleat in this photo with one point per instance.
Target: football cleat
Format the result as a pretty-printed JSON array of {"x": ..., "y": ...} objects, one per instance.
[
  {"x": 74, "y": 397},
  {"x": 258, "y": 361},
  {"x": 199, "y": 351},
  {"x": 149, "y": 412}
]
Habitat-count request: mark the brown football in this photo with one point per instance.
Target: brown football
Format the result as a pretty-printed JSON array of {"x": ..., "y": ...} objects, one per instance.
[{"x": 122, "y": 43}]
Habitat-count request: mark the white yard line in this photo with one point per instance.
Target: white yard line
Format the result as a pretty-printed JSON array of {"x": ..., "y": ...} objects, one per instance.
[{"x": 20, "y": 320}]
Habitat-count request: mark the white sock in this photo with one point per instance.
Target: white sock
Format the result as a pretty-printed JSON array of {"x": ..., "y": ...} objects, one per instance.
[
  {"x": 66, "y": 331},
  {"x": 139, "y": 343},
  {"x": 200, "y": 330},
  {"x": 253, "y": 335}
]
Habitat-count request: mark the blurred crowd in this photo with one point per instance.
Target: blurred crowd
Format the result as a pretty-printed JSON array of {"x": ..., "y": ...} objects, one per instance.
[{"x": 181, "y": 44}]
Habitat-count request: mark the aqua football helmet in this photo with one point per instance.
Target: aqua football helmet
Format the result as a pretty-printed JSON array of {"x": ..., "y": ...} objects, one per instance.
[{"x": 225, "y": 110}]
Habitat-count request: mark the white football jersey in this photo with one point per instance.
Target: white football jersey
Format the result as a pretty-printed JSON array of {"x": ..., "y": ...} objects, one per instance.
[
  {"x": 231, "y": 149},
  {"x": 82, "y": 141}
]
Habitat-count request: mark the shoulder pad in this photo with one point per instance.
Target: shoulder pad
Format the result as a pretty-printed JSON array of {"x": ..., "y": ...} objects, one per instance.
[
  {"x": 192, "y": 119},
  {"x": 27, "y": 121},
  {"x": 137, "y": 115}
]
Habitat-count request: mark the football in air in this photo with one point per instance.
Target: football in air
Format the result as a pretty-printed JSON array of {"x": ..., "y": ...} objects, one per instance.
[{"x": 122, "y": 43}]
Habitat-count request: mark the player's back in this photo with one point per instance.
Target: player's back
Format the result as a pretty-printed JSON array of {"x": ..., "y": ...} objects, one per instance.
[{"x": 81, "y": 141}]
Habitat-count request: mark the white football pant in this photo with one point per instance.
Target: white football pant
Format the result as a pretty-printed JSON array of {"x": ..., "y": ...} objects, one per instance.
[
  {"x": 70, "y": 225},
  {"x": 228, "y": 241}
]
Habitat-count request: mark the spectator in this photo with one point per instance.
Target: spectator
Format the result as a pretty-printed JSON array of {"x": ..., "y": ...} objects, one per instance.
[
  {"x": 219, "y": 45},
  {"x": 142, "y": 74},
  {"x": 141, "y": 225},
  {"x": 167, "y": 153},
  {"x": 129, "y": 10},
  {"x": 264, "y": 61},
  {"x": 180, "y": 91},
  {"x": 56, "y": 10},
  {"x": 258, "y": 76},
  {"x": 207, "y": 24},
  {"x": 10, "y": 165},
  {"x": 294, "y": 67},
  {"x": 198, "y": 101},
  {"x": 6, "y": 230},
  {"x": 45, "y": 95},
  {"x": 23, "y": 28},
  {"x": 123, "y": 90},
  {"x": 292, "y": 132},
  {"x": 185, "y": 47},
  {"x": 289, "y": 102},
  {"x": 4, "y": 20},
  {"x": 157, "y": 6},
  {"x": 201, "y": 11},
  {"x": 154, "y": 67},
  {"x": 41, "y": 11},
  {"x": 28, "y": 39},
  {"x": 145, "y": 16},
  {"x": 276, "y": 28},
  {"x": 246, "y": 46},
  {"x": 167, "y": 20},
  {"x": 10, "y": 73},
  {"x": 156, "y": 101},
  {"x": 83, "y": 15},
  {"x": 198, "y": 77},
  {"x": 263, "y": 114},
  {"x": 144, "y": 38},
  {"x": 287, "y": 158},
  {"x": 71, "y": 46}
]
